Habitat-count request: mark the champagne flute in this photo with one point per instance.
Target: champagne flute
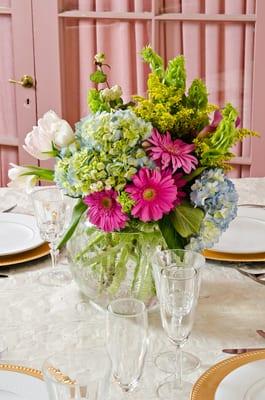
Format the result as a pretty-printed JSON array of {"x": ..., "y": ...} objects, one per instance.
[
  {"x": 166, "y": 259},
  {"x": 177, "y": 309},
  {"x": 127, "y": 337},
  {"x": 51, "y": 214}
]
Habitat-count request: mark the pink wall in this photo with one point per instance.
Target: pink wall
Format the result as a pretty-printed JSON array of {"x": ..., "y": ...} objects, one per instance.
[{"x": 222, "y": 41}]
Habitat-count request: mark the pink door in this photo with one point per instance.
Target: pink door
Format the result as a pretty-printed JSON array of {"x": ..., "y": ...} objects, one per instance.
[{"x": 17, "y": 103}]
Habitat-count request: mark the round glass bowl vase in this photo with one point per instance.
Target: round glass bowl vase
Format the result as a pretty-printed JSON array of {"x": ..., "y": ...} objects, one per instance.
[{"x": 107, "y": 266}]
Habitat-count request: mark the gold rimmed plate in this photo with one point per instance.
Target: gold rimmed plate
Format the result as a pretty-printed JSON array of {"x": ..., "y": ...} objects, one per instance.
[
  {"x": 230, "y": 257},
  {"x": 26, "y": 256},
  {"x": 207, "y": 385},
  {"x": 19, "y": 382}
]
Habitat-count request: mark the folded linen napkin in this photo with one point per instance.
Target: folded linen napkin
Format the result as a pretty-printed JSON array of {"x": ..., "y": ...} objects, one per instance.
[{"x": 250, "y": 190}]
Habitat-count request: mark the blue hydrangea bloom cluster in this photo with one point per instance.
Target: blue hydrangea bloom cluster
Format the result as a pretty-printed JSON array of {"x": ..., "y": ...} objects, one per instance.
[{"x": 216, "y": 195}]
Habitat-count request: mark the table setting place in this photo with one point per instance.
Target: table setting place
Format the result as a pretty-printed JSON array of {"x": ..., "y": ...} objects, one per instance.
[
  {"x": 139, "y": 272},
  {"x": 55, "y": 344}
]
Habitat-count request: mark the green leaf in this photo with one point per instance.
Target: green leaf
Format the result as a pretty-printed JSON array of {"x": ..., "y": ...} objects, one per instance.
[
  {"x": 194, "y": 174},
  {"x": 98, "y": 77},
  {"x": 172, "y": 238},
  {"x": 186, "y": 219},
  {"x": 41, "y": 173},
  {"x": 78, "y": 211}
]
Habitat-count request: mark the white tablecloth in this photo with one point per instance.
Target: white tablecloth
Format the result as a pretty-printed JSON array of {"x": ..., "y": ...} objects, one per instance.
[{"x": 38, "y": 320}]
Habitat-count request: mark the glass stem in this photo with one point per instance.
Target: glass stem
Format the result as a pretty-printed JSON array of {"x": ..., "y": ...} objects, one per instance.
[
  {"x": 54, "y": 253},
  {"x": 178, "y": 366}
]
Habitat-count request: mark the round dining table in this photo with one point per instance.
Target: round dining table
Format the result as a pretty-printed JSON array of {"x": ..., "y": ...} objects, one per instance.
[{"x": 37, "y": 321}]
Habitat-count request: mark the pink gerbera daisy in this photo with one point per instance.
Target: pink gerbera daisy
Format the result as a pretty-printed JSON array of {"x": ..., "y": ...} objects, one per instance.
[
  {"x": 171, "y": 153},
  {"x": 104, "y": 211},
  {"x": 154, "y": 194}
]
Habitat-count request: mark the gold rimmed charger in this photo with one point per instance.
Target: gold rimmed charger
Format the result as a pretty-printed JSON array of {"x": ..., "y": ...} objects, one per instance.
[
  {"x": 29, "y": 255},
  {"x": 22, "y": 370},
  {"x": 206, "y": 386},
  {"x": 232, "y": 257}
]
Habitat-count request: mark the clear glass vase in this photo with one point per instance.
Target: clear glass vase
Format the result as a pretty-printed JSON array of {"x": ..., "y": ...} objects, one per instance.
[{"x": 107, "y": 266}]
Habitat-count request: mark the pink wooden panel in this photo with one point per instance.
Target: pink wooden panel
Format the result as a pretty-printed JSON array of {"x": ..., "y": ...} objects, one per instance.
[
  {"x": 214, "y": 77},
  {"x": 87, "y": 49},
  {"x": 233, "y": 64},
  {"x": 141, "y": 37},
  {"x": 171, "y": 48},
  {"x": 5, "y": 3},
  {"x": 19, "y": 109},
  {"x": 47, "y": 60},
  {"x": 258, "y": 145},
  {"x": 109, "y": 34},
  {"x": 8, "y": 126},
  {"x": 220, "y": 52},
  {"x": 248, "y": 84},
  {"x": 24, "y": 64},
  {"x": 193, "y": 41}
]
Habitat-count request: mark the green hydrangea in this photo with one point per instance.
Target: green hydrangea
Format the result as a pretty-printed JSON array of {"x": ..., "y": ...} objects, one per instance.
[{"x": 110, "y": 153}]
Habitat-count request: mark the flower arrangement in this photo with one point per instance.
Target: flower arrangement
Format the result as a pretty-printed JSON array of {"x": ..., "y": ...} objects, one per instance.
[{"x": 154, "y": 163}]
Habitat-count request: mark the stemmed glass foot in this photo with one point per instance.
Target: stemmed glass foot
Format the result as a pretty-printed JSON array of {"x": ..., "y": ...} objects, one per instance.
[
  {"x": 58, "y": 276},
  {"x": 170, "y": 390},
  {"x": 166, "y": 362}
]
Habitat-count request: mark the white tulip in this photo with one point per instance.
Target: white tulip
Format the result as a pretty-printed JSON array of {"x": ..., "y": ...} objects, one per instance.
[
  {"x": 19, "y": 181},
  {"x": 38, "y": 142},
  {"x": 63, "y": 133},
  {"x": 50, "y": 129}
]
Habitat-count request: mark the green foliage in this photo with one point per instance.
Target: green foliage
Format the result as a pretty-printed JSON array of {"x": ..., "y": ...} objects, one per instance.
[
  {"x": 186, "y": 219},
  {"x": 197, "y": 95},
  {"x": 98, "y": 77},
  {"x": 213, "y": 150},
  {"x": 41, "y": 173},
  {"x": 78, "y": 211},
  {"x": 95, "y": 101},
  {"x": 167, "y": 106},
  {"x": 176, "y": 74},
  {"x": 154, "y": 60},
  {"x": 170, "y": 235}
]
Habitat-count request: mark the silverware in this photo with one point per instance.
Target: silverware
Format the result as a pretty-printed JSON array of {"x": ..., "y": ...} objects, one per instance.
[
  {"x": 257, "y": 277},
  {"x": 261, "y": 333},
  {"x": 9, "y": 209},
  {"x": 3, "y": 276},
  {"x": 240, "y": 351},
  {"x": 252, "y": 205}
]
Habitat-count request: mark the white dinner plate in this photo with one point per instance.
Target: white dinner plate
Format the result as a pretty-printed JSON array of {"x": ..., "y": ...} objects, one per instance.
[
  {"x": 21, "y": 384},
  {"x": 18, "y": 233},
  {"x": 246, "y": 233},
  {"x": 244, "y": 383}
]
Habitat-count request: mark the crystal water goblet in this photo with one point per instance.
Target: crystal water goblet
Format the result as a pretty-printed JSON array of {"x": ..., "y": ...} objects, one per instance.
[
  {"x": 177, "y": 310},
  {"x": 167, "y": 259},
  {"x": 51, "y": 215},
  {"x": 127, "y": 339},
  {"x": 78, "y": 375}
]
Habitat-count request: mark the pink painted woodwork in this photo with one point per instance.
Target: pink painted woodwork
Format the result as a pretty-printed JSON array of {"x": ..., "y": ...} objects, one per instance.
[
  {"x": 222, "y": 41},
  {"x": 18, "y": 105}
]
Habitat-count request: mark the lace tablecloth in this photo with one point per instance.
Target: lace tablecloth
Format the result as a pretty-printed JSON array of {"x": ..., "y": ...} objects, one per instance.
[{"x": 38, "y": 321}]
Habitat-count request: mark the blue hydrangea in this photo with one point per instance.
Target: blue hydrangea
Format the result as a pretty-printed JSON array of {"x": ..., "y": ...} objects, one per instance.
[{"x": 216, "y": 195}]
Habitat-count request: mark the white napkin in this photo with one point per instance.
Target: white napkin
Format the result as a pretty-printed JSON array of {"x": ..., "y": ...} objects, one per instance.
[{"x": 250, "y": 190}]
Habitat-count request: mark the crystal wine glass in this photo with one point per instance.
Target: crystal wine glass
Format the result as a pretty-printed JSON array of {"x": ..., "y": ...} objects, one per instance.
[
  {"x": 177, "y": 309},
  {"x": 167, "y": 259},
  {"x": 127, "y": 337},
  {"x": 51, "y": 215}
]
